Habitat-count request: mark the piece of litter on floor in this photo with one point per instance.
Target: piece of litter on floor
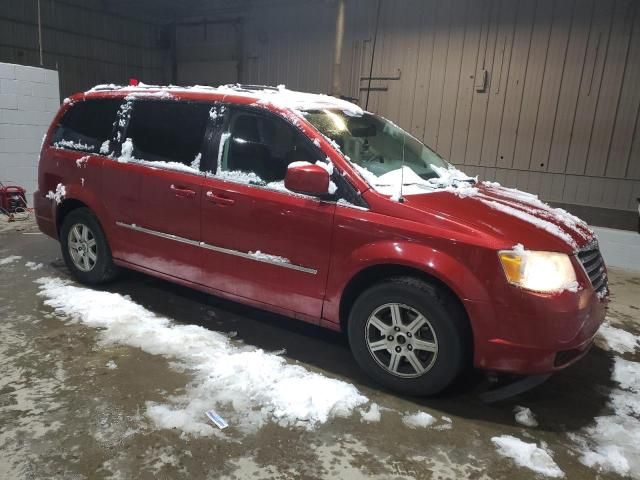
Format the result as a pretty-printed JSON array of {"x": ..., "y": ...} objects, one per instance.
[
  {"x": 527, "y": 455},
  {"x": 524, "y": 416},
  {"x": 217, "y": 419}
]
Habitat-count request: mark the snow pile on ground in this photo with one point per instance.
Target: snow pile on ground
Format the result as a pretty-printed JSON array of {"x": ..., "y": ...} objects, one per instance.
[
  {"x": 527, "y": 455},
  {"x": 33, "y": 265},
  {"x": 524, "y": 416},
  {"x": 612, "y": 444},
  {"x": 372, "y": 415},
  {"x": 247, "y": 386},
  {"x": 9, "y": 259},
  {"x": 617, "y": 339},
  {"x": 419, "y": 420}
]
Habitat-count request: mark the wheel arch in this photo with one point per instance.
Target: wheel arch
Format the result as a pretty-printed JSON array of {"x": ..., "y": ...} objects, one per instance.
[
  {"x": 373, "y": 274},
  {"x": 67, "y": 206}
]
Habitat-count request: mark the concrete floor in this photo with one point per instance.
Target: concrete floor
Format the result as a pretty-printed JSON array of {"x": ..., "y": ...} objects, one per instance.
[{"x": 64, "y": 414}]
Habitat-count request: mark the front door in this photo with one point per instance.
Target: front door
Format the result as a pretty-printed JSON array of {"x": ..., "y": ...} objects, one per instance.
[{"x": 261, "y": 241}]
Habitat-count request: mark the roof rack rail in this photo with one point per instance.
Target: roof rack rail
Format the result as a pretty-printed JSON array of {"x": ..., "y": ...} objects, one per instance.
[
  {"x": 110, "y": 86},
  {"x": 250, "y": 88}
]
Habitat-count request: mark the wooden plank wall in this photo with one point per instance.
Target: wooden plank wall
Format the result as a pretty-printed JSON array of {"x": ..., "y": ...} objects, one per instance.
[
  {"x": 85, "y": 44},
  {"x": 559, "y": 113}
]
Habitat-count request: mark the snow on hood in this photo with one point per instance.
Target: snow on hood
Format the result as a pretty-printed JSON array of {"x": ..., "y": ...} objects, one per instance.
[
  {"x": 507, "y": 212},
  {"x": 530, "y": 209}
]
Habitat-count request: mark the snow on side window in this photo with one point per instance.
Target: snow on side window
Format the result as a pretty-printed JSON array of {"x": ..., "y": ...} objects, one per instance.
[
  {"x": 258, "y": 150},
  {"x": 86, "y": 125},
  {"x": 167, "y": 131}
]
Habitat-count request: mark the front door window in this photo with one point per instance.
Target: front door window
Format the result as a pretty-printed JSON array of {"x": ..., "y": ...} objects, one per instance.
[{"x": 257, "y": 150}]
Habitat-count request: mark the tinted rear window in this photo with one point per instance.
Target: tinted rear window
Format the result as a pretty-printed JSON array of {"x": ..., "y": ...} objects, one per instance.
[
  {"x": 168, "y": 131},
  {"x": 87, "y": 125}
]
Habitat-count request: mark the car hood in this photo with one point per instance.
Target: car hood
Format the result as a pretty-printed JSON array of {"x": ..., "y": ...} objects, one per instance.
[{"x": 510, "y": 216}]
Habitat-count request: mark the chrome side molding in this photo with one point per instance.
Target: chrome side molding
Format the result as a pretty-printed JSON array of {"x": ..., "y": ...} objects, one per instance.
[{"x": 207, "y": 246}]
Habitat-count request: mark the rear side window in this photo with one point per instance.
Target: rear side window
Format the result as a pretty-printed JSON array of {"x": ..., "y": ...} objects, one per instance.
[
  {"x": 168, "y": 131},
  {"x": 87, "y": 126}
]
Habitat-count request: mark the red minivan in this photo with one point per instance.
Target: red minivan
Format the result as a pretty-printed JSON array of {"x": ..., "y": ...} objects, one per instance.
[{"x": 308, "y": 206}]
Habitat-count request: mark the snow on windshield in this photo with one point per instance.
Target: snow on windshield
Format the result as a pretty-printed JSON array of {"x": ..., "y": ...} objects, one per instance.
[{"x": 391, "y": 160}]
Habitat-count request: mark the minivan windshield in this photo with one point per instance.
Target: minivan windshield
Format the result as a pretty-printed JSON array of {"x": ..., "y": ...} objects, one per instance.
[{"x": 380, "y": 149}]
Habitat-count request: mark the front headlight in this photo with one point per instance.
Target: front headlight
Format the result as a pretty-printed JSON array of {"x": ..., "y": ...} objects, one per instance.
[{"x": 538, "y": 271}]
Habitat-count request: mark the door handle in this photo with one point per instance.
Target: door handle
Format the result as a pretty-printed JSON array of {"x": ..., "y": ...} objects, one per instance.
[
  {"x": 219, "y": 199},
  {"x": 182, "y": 192}
]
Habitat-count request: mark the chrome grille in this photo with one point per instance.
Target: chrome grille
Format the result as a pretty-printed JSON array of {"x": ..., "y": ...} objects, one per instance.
[{"x": 593, "y": 265}]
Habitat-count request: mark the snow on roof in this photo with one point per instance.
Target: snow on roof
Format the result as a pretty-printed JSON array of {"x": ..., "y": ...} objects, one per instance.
[{"x": 278, "y": 96}]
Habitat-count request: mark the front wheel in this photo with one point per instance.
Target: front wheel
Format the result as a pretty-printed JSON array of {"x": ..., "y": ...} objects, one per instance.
[
  {"x": 85, "y": 248},
  {"x": 409, "y": 335}
]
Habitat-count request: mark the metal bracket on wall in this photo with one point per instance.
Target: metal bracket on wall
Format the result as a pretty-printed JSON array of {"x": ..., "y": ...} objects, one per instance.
[
  {"x": 395, "y": 77},
  {"x": 384, "y": 77},
  {"x": 374, "y": 89}
]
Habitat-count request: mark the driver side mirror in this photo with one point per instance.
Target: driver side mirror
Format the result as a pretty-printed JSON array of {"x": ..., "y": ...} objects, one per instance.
[{"x": 307, "y": 178}]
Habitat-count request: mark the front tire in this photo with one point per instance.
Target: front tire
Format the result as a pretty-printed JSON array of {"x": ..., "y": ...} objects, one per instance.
[
  {"x": 409, "y": 335},
  {"x": 85, "y": 249}
]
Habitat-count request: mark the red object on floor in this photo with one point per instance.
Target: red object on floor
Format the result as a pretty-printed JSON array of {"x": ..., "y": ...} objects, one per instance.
[{"x": 12, "y": 197}]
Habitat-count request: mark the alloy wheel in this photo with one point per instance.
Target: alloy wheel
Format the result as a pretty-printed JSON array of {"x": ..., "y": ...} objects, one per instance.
[
  {"x": 83, "y": 248},
  {"x": 401, "y": 340}
]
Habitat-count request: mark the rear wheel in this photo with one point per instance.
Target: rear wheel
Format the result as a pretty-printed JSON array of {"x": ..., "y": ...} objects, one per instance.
[
  {"x": 85, "y": 248},
  {"x": 409, "y": 335}
]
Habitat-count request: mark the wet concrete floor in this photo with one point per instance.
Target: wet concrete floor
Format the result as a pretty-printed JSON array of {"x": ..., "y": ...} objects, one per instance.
[{"x": 65, "y": 414}]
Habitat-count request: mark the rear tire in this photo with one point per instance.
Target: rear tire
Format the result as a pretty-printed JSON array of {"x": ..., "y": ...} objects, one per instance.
[
  {"x": 410, "y": 336},
  {"x": 85, "y": 249}
]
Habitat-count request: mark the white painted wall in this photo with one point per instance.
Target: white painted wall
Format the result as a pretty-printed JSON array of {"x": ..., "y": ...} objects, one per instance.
[
  {"x": 29, "y": 99},
  {"x": 620, "y": 248}
]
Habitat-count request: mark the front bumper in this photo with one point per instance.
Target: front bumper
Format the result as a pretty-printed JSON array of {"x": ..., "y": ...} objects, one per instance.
[{"x": 535, "y": 334}]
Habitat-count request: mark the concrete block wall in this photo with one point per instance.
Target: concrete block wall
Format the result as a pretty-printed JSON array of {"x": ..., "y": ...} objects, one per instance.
[{"x": 29, "y": 99}]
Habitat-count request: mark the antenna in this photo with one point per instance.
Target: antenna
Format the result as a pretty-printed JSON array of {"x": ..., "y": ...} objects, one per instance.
[{"x": 401, "y": 198}]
